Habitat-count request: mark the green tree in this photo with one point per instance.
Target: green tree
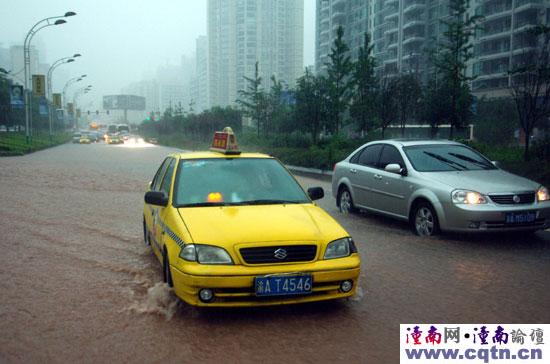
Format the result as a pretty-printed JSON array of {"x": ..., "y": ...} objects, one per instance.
[
  {"x": 339, "y": 80},
  {"x": 365, "y": 82},
  {"x": 451, "y": 60},
  {"x": 4, "y": 100},
  {"x": 407, "y": 90},
  {"x": 386, "y": 103},
  {"x": 253, "y": 99},
  {"x": 531, "y": 84},
  {"x": 310, "y": 110},
  {"x": 434, "y": 109}
]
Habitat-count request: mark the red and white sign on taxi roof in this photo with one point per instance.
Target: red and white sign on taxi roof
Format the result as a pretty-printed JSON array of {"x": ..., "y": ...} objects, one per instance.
[{"x": 225, "y": 141}]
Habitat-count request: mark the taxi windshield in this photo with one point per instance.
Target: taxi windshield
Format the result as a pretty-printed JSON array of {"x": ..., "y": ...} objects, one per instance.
[{"x": 235, "y": 181}]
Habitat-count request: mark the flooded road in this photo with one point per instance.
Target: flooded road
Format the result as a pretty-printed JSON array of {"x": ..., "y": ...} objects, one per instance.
[{"x": 78, "y": 284}]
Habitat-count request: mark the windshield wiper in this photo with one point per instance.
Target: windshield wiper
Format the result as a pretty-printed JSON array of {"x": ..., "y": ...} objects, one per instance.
[
  {"x": 268, "y": 202},
  {"x": 471, "y": 160},
  {"x": 447, "y": 161}
]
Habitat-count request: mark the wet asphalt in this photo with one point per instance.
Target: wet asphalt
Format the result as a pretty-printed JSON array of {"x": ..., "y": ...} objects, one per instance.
[{"x": 78, "y": 284}]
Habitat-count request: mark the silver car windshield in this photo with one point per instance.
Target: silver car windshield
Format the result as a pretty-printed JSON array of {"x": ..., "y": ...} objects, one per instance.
[
  {"x": 446, "y": 157},
  {"x": 238, "y": 181}
]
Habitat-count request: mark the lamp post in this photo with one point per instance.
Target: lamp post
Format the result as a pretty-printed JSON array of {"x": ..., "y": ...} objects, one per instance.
[
  {"x": 56, "y": 64},
  {"x": 46, "y": 22},
  {"x": 69, "y": 83},
  {"x": 76, "y": 95}
]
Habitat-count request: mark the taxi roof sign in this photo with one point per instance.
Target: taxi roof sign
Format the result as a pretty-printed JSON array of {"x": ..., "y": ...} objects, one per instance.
[{"x": 225, "y": 142}]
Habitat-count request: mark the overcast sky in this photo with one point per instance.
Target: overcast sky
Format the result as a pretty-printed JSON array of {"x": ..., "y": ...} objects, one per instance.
[{"x": 121, "y": 41}]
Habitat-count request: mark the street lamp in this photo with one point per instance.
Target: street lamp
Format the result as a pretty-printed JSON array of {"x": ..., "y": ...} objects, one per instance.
[
  {"x": 76, "y": 95},
  {"x": 56, "y": 64},
  {"x": 70, "y": 82},
  {"x": 46, "y": 22}
]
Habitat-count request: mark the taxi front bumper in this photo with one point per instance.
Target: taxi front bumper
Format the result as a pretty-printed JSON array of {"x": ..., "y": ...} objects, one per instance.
[{"x": 238, "y": 290}]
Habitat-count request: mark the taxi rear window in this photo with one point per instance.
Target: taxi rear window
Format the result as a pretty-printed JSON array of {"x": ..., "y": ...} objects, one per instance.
[{"x": 235, "y": 181}]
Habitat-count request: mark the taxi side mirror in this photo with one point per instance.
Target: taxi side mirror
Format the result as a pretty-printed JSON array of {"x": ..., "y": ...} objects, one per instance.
[
  {"x": 316, "y": 193},
  {"x": 156, "y": 198}
]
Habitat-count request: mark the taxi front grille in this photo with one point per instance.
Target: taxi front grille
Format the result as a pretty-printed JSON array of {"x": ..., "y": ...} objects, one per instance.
[
  {"x": 508, "y": 199},
  {"x": 279, "y": 254}
]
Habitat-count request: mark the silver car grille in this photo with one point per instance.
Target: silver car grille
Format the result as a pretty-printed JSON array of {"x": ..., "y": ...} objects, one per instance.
[{"x": 513, "y": 199}]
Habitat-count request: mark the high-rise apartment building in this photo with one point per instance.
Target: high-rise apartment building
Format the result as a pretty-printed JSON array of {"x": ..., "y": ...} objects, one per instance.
[
  {"x": 403, "y": 31},
  {"x": 503, "y": 40},
  {"x": 352, "y": 15},
  {"x": 200, "y": 89},
  {"x": 243, "y": 32}
]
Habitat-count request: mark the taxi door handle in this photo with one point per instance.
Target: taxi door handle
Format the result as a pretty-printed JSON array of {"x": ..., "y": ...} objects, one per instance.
[
  {"x": 377, "y": 176},
  {"x": 353, "y": 170}
]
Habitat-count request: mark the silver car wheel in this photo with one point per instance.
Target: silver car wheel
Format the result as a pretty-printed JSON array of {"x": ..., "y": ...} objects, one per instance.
[
  {"x": 345, "y": 202},
  {"x": 424, "y": 222}
]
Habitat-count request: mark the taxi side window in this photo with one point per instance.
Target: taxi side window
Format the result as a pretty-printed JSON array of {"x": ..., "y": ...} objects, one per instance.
[
  {"x": 166, "y": 182},
  {"x": 158, "y": 177},
  {"x": 369, "y": 156},
  {"x": 390, "y": 155}
]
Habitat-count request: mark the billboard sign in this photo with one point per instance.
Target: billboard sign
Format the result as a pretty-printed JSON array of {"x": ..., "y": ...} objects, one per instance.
[
  {"x": 16, "y": 96},
  {"x": 57, "y": 100},
  {"x": 39, "y": 85},
  {"x": 123, "y": 102},
  {"x": 43, "y": 107}
]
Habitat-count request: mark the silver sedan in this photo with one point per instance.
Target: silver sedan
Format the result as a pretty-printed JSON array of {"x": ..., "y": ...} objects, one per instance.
[{"x": 438, "y": 185}]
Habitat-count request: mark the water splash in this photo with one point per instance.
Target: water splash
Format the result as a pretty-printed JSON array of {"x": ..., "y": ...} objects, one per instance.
[
  {"x": 359, "y": 295},
  {"x": 160, "y": 299}
]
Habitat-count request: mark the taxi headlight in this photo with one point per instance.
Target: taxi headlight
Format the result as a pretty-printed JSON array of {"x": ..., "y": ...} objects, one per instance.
[
  {"x": 205, "y": 254},
  {"x": 467, "y": 197},
  {"x": 542, "y": 194},
  {"x": 340, "y": 248}
]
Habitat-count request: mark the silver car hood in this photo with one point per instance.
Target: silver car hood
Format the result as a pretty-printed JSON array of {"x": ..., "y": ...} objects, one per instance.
[{"x": 483, "y": 181}]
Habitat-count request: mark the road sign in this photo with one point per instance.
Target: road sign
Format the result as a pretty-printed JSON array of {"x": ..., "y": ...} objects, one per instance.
[
  {"x": 39, "y": 85},
  {"x": 43, "y": 106},
  {"x": 16, "y": 96},
  {"x": 57, "y": 100}
]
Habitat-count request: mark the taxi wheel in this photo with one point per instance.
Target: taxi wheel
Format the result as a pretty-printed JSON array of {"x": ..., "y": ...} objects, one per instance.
[
  {"x": 345, "y": 201},
  {"x": 167, "y": 275},
  {"x": 424, "y": 222}
]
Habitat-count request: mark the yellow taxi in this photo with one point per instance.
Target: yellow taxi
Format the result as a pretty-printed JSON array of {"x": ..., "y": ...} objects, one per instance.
[{"x": 236, "y": 229}]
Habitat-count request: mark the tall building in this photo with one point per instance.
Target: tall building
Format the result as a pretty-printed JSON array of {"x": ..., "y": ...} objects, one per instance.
[
  {"x": 200, "y": 89},
  {"x": 352, "y": 15},
  {"x": 243, "y": 32},
  {"x": 503, "y": 40},
  {"x": 403, "y": 30}
]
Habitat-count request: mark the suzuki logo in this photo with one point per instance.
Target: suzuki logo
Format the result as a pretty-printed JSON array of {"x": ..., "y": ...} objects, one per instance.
[
  {"x": 280, "y": 253},
  {"x": 516, "y": 199}
]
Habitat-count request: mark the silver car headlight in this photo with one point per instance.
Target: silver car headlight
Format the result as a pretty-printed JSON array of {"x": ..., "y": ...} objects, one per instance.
[
  {"x": 205, "y": 254},
  {"x": 340, "y": 248},
  {"x": 467, "y": 197},
  {"x": 542, "y": 194}
]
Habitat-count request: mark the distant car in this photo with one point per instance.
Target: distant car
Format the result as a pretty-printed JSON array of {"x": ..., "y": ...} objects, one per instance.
[
  {"x": 114, "y": 139},
  {"x": 153, "y": 140},
  {"x": 76, "y": 137},
  {"x": 438, "y": 185},
  {"x": 85, "y": 139}
]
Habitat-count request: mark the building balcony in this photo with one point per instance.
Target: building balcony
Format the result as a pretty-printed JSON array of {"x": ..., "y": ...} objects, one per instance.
[
  {"x": 338, "y": 16},
  {"x": 414, "y": 6},
  {"x": 528, "y": 4},
  {"x": 338, "y": 4},
  {"x": 391, "y": 16},
  {"x": 494, "y": 34},
  {"x": 392, "y": 45},
  {"x": 413, "y": 38},
  {"x": 412, "y": 22}
]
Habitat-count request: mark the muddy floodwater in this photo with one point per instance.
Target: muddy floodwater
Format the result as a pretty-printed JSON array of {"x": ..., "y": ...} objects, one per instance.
[{"x": 77, "y": 284}]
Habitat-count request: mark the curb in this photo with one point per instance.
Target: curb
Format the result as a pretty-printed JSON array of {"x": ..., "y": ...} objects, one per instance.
[{"x": 311, "y": 172}]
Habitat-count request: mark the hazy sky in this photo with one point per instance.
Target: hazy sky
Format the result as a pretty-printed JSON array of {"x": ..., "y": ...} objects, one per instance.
[{"x": 121, "y": 41}]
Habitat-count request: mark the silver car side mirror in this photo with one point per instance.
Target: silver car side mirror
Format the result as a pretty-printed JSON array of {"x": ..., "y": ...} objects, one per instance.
[
  {"x": 496, "y": 164},
  {"x": 393, "y": 168}
]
